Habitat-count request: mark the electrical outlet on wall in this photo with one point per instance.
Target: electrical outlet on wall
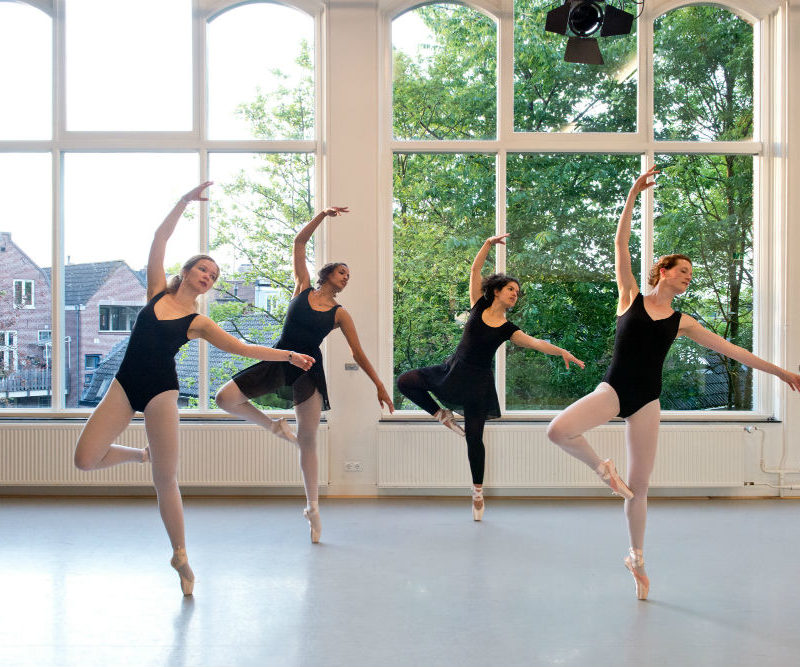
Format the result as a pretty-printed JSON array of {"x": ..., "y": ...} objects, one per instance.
[{"x": 353, "y": 466}]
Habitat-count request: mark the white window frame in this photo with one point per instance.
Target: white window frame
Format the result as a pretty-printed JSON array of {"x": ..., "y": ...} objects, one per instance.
[
  {"x": 9, "y": 346},
  {"x": 765, "y": 19},
  {"x": 29, "y": 292},
  {"x": 195, "y": 141}
]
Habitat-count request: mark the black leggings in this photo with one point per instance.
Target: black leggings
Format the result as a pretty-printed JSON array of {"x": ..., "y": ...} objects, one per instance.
[{"x": 414, "y": 386}]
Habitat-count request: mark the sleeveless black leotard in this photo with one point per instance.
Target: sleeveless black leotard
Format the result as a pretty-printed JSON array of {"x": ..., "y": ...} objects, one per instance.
[
  {"x": 148, "y": 367},
  {"x": 465, "y": 381},
  {"x": 303, "y": 331},
  {"x": 640, "y": 347}
]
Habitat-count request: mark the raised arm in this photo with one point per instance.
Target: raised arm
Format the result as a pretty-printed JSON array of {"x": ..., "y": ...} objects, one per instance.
[
  {"x": 524, "y": 340},
  {"x": 691, "y": 328},
  {"x": 627, "y": 286},
  {"x": 156, "y": 278},
  {"x": 477, "y": 264},
  {"x": 207, "y": 329},
  {"x": 348, "y": 327},
  {"x": 301, "y": 278}
]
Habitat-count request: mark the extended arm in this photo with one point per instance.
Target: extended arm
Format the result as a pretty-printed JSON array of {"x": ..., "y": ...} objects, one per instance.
[
  {"x": 626, "y": 281},
  {"x": 348, "y": 327},
  {"x": 477, "y": 264},
  {"x": 691, "y": 328},
  {"x": 156, "y": 279},
  {"x": 205, "y": 328},
  {"x": 524, "y": 340},
  {"x": 301, "y": 278}
]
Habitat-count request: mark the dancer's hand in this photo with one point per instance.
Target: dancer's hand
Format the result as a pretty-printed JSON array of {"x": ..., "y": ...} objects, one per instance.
[
  {"x": 195, "y": 194},
  {"x": 302, "y": 361},
  {"x": 792, "y": 379},
  {"x": 567, "y": 356},
  {"x": 384, "y": 399},
  {"x": 334, "y": 211},
  {"x": 646, "y": 180},
  {"x": 500, "y": 238}
]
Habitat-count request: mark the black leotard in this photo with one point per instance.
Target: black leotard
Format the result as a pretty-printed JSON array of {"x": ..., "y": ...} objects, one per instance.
[
  {"x": 303, "y": 331},
  {"x": 148, "y": 367},
  {"x": 640, "y": 347},
  {"x": 465, "y": 381}
]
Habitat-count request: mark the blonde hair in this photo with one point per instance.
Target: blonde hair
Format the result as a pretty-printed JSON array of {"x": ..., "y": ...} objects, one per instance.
[
  {"x": 175, "y": 282},
  {"x": 664, "y": 262}
]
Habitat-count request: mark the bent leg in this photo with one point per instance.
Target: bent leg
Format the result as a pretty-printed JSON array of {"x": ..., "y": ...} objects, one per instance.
[
  {"x": 94, "y": 449},
  {"x": 641, "y": 435},
  {"x": 594, "y": 409},
  {"x": 412, "y": 385},
  {"x": 231, "y": 399}
]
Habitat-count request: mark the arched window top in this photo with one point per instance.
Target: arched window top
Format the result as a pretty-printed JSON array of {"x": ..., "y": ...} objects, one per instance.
[
  {"x": 213, "y": 9},
  {"x": 394, "y": 9},
  {"x": 261, "y": 72},
  {"x": 44, "y": 5},
  {"x": 751, "y": 11}
]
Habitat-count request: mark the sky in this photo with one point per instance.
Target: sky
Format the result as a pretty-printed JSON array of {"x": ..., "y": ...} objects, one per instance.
[{"x": 114, "y": 201}]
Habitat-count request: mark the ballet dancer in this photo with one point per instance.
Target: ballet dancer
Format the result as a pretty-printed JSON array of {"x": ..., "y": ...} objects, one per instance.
[
  {"x": 312, "y": 314},
  {"x": 147, "y": 381},
  {"x": 465, "y": 381},
  {"x": 646, "y": 328}
]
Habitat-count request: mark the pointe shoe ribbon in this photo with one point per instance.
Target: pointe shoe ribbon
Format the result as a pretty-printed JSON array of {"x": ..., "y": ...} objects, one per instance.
[
  {"x": 478, "y": 505},
  {"x": 608, "y": 473},
  {"x": 635, "y": 561},
  {"x": 178, "y": 561}
]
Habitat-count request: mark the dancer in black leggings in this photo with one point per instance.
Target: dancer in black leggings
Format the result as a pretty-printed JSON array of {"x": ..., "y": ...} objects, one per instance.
[{"x": 465, "y": 380}]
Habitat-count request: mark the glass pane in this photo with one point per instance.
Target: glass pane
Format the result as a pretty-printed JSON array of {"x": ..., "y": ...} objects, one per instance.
[
  {"x": 261, "y": 73},
  {"x": 113, "y": 203},
  {"x": 26, "y": 72},
  {"x": 260, "y": 201},
  {"x": 129, "y": 65},
  {"x": 703, "y": 74},
  {"x": 551, "y": 95},
  {"x": 25, "y": 297},
  {"x": 562, "y": 216},
  {"x": 445, "y": 69},
  {"x": 444, "y": 209},
  {"x": 704, "y": 209}
]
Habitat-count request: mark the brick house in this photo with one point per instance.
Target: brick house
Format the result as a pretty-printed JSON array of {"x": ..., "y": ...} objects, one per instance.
[
  {"x": 101, "y": 301},
  {"x": 24, "y": 328}
]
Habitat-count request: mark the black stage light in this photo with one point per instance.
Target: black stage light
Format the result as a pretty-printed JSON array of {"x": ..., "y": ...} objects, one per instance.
[{"x": 580, "y": 19}]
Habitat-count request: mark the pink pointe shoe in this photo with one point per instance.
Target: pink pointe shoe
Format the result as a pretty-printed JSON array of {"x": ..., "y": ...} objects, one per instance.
[
  {"x": 608, "y": 473},
  {"x": 314, "y": 523},
  {"x": 635, "y": 564},
  {"x": 478, "y": 505},
  {"x": 281, "y": 428},
  {"x": 180, "y": 562},
  {"x": 447, "y": 418}
]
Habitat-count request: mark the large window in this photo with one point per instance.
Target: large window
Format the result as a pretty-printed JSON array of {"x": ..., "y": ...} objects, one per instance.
[
  {"x": 561, "y": 208},
  {"x": 131, "y": 136}
]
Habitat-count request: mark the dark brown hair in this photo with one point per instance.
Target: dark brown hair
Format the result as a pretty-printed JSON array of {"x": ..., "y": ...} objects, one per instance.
[
  {"x": 493, "y": 282},
  {"x": 664, "y": 262},
  {"x": 327, "y": 270}
]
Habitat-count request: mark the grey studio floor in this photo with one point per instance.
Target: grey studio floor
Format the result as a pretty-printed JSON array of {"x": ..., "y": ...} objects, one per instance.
[{"x": 398, "y": 582}]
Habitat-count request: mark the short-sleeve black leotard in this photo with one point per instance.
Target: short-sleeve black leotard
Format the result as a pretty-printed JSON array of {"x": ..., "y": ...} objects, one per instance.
[
  {"x": 303, "y": 331},
  {"x": 148, "y": 367},
  {"x": 465, "y": 381},
  {"x": 640, "y": 347}
]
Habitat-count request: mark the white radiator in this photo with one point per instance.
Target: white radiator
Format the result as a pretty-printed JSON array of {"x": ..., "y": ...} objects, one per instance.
[
  {"x": 218, "y": 454},
  {"x": 519, "y": 456}
]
